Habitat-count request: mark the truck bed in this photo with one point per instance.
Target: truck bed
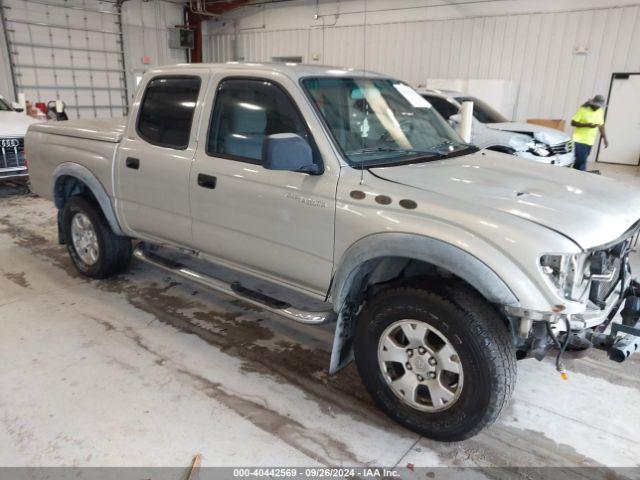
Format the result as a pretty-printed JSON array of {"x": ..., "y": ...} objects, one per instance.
[
  {"x": 88, "y": 143},
  {"x": 103, "y": 129}
]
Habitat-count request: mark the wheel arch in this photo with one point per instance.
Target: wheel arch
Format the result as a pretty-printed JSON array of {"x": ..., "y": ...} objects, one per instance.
[
  {"x": 73, "y": 179},
  {"x": 382, "y": 257}
]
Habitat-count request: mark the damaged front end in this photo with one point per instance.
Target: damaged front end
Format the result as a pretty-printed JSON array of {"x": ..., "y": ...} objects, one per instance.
[
  {"x": 601, "y": 278},
  {"x": 624, "y": 338},
  {"x": 541, "y": 148}
]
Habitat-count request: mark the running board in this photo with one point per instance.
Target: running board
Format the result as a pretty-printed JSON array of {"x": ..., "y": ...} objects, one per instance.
[{"x": 236, "y": 290}]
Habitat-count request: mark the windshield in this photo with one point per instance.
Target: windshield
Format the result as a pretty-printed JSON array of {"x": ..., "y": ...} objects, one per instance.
[
  {"x": 382, "y": 121},
  {"x": 483, "y": 112},
  {"x": 4, "y": 106}
]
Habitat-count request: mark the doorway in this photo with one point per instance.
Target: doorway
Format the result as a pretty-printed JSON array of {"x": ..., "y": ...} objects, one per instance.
[{"x": 622, "y": 120}]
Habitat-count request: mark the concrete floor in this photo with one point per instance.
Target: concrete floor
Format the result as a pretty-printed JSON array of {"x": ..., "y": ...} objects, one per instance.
[{"x": 146, "y": 370}]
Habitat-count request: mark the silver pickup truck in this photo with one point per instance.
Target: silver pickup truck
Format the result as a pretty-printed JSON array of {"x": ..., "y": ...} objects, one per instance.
[{"x": 335, "y": 195}]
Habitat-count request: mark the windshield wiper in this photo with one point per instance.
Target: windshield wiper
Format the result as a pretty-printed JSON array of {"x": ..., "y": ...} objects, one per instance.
[
  {"x": 383, "y": 149},
  {"x": 445, "y": 143},
  {"x": 451, "y": 148},
  {"x": 434, "y": 153}
]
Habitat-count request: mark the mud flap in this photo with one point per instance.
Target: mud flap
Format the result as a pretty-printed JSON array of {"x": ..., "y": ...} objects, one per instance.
[
  {"x": 342, "y": 351},
  {"x": 61, "y": 239}
]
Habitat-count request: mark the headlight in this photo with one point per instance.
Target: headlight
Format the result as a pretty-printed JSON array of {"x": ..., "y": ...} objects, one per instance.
[
  {"x": 541, "y": 152},
  {"x": 539, "y": 149},
  {"x": 568, "y": 275}
]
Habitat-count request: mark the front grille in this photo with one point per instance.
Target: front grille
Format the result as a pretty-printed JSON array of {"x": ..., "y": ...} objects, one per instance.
[
  {"x": 11, "y": 155},
  {"x": 612, "y": 258},
  {"x": 601, "y": 290},
  {"x": 562, "y": 148}
]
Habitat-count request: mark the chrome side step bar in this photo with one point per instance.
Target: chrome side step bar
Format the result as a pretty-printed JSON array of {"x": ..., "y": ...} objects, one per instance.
[{"x": 236, "y": 290}]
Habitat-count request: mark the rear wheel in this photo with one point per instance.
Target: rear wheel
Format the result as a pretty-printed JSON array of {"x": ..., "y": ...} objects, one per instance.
[
  {"x": 441, "y": 364},
  {"x": 95, "y": 250}
]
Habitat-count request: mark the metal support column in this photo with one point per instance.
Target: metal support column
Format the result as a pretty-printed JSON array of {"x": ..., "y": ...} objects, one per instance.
[{"x": 9, "y": 53}]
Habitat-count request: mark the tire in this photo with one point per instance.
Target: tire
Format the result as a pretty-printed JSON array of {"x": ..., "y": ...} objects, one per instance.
[
  {"x": 483, "y": 354},
  {"x": 112, "y": 252}
]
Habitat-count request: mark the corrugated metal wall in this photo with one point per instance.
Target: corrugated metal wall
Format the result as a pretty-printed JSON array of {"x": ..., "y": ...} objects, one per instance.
[
  {"x": 535, "y": 50},
  {"x": 145, "y": 30}
]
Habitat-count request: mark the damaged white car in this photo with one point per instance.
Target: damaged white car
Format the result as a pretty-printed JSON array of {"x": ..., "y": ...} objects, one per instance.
[{"x": 490, "y": 129}]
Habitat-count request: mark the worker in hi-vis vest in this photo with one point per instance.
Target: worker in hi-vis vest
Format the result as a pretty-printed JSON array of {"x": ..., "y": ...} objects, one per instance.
[{"x": 586, "y": 122}]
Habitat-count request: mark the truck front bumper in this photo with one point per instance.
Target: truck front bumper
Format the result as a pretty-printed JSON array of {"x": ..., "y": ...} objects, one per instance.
[{"x": 623, "y": 338}]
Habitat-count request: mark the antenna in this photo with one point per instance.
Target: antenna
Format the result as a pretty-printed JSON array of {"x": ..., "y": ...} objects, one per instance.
[{"x": 364, "y": 69}]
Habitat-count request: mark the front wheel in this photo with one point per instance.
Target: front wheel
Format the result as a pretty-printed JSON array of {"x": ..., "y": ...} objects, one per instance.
[
  {"x": 442, "y": 365},
  {"x": 95, "y": 249}
]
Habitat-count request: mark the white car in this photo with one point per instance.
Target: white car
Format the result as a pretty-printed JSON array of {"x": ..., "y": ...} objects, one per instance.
[
  {"x": 490, "y": 129},
  {"x": 13, "y": 128}
]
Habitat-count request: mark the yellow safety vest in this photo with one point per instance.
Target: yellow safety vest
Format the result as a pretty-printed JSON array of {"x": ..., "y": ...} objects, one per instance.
[{"x": 587, "y": 135}]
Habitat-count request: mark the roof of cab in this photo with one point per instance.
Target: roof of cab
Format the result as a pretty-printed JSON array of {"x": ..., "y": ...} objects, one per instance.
[{"x": 294, "y": 71}]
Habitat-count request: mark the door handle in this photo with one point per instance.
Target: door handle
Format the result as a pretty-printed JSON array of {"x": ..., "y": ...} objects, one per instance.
[
  {"x": 207, "y": 181},
  {"x": 133, "y": 163}
]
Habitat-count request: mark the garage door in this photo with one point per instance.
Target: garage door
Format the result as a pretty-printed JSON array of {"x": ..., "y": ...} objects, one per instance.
[{"x": 68, "y": 50}]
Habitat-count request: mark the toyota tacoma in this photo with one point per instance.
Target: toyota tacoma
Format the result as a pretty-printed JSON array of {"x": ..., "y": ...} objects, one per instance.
[{"x": 336, "y": 195}]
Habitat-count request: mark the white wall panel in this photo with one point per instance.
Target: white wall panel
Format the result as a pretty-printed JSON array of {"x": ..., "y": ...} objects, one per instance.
[
  {"x": 530, "y": 43},
  {"x": 146, "y": 34},
  {"x": 264, "y": 45}
]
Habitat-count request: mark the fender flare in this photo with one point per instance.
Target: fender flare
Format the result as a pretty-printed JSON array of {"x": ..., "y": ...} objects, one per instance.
[
  {"x": 419, "y": 247},
  {"x": 83, "y": 174}
]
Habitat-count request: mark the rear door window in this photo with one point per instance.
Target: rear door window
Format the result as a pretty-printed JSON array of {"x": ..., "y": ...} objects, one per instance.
[{"x": 166, "y": 112}]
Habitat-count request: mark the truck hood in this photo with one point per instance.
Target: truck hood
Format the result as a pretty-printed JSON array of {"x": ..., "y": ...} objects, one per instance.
[
  {"x": 14, "y": 124},
  {"x": 101, "y": 129},
  {"x": 589, "y": 209},
  {"x": 540, "y": 133}
]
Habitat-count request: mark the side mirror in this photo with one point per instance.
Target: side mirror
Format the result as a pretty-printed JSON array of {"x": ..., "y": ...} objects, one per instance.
[
  {"x": 288, "y": 151},
  {"x": 455, "y": 118},
  {"x": 17, "y": 107}
]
